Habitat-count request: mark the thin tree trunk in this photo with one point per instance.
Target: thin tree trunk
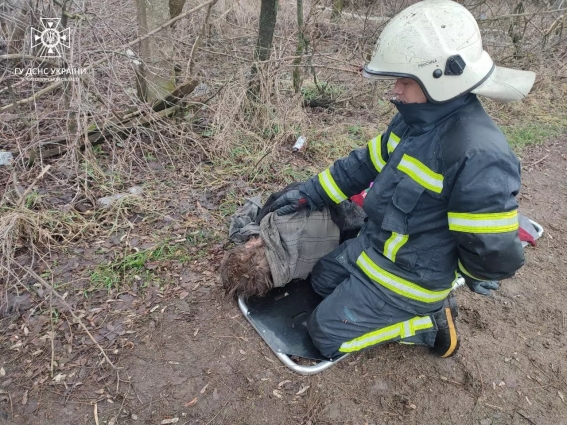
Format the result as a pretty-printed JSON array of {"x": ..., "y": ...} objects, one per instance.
[
  {"x": 266, "y": 28},
  {"x": 268, "y": 14},
  {"x": 300, "y": 47},
  {"x": 336, "y": 10},
  {"x": 156, "y": 75}
]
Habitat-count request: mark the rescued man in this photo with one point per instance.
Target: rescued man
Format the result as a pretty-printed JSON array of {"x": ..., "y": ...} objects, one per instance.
[{"x": 443, "y": 195}]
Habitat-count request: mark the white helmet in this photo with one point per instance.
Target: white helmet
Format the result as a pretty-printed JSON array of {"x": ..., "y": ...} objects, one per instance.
[{"x": 438, "y": 44}]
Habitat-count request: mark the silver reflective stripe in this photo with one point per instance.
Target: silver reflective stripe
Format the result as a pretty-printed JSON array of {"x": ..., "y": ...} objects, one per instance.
[
  {"x": 421, "y": 173},
  {"x": 330, "y": 187},
  {"x": 375, "y": 148},
  {"x": 422, "y": 322},
  {"x": 483, "y": 222},
  {"x": 393, "y": 244},
  {"x": 397, "y": 330},
  {"x": 398, "y": 285},
  {"x": 372, "y": 339},
  {"x": 406, "y": 330},
  {"x": 393, "y": 142}
]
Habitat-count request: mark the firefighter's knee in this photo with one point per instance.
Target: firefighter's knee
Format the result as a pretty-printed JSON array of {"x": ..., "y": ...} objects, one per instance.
[{"x": 321, "y": 339}]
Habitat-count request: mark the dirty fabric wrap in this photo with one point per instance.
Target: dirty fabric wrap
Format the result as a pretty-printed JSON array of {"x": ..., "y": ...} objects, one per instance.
[
  {"x": 242, "y": 223},
  {"x": 294, "y": 243}
]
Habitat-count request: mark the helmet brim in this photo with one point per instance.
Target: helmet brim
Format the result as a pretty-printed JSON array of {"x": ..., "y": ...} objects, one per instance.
[
  {"x": 377, "y": 76},
  {"x": 506, "y": 84}
]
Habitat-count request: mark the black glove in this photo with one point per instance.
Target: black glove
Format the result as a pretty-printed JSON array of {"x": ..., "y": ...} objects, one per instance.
[
  {"x": 292, "y": 201},
  {"x": 482, "y": 287}
]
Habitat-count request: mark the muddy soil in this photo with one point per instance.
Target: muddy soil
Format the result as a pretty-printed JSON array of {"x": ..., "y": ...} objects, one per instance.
[{"x": 195, "y": 359}]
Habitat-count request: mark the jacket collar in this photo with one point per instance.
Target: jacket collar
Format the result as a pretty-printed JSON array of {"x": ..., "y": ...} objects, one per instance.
[{"x": 423, "y": 117}]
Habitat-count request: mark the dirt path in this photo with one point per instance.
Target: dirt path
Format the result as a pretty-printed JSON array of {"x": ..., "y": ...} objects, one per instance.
[{"x": 198, "y": 360}]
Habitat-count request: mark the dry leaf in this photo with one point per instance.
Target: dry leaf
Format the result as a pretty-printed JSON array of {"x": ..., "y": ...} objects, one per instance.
[
  {"x": 204, "y": 388},
  {"x": 196, "y": 332},
  {"x": 283, "y": 383},
  {"x": 561, "y": 396},
  {"x": 170, "y": 421},
  {"x": 528, "y": 400},
  {"x": 183, "y": 295},
  {"x": 242, "y": 352},
  {"x": 2, "y": 371},
  {"x": 268, "y": 359},
  {"x": 59, "y": 377},
  {"x": 112, "y": 421},
  {"x": 302, "y": 389},
  {"x": 191, "y": 403},
  {"x": 25, "y": 397},
  {"x": 277, "y": 393}
]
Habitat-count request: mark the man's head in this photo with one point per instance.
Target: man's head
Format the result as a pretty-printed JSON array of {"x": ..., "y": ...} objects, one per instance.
[
  {"x": 407, "y": 90},
  {"x": 437, "y": 44},
  {"x": 245, "y": 270}
]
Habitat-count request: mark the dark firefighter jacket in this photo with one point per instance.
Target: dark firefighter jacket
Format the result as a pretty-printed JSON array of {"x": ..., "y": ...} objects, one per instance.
[{"x": 442, "y": 202}]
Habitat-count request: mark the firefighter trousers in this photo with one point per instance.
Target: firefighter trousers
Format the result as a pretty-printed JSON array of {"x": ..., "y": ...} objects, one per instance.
[{"x": 353, "y": 316}]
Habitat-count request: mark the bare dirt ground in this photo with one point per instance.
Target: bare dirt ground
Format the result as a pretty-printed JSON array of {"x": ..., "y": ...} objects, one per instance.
[{"x": 186, "y": 354}]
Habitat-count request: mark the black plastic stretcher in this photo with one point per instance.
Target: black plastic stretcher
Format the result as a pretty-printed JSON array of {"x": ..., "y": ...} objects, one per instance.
[{"x": 280, "y": 318}]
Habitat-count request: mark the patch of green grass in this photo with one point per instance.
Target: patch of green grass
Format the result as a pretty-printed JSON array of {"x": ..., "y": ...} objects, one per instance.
[
  {"x": 105, "y": 277},
  {"x": 31, "y": 200},
  {"x": 110, "y": 276},
  {"x": 520, "y": 136},
  {"x": 323, "y": 90},
  {"x": 356, "y": 131},
  {"x": 290, "y": 174}
]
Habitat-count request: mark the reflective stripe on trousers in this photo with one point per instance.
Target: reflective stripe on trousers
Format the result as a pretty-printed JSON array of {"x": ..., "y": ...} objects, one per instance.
[
  {"x": 396, "y": 284},
  {"x": 396, "y": 331}
]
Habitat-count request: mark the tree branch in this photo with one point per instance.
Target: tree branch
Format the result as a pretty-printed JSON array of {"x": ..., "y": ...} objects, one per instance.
[{"x": 57, "y": 84}]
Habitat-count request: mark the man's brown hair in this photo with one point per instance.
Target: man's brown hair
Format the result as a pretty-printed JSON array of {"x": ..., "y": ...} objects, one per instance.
[{"x": 245, "y": 270}]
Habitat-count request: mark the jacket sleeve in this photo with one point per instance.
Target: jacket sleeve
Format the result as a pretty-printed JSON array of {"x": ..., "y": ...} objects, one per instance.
[
  {"x": 350, "y": 175},
  {"x": 483, "y": 216}
]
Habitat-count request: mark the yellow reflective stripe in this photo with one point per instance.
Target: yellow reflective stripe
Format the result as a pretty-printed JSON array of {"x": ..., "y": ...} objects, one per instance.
[
  {"x": 393, "y": 141},
  {"x": 330, "y": 187},
  {"x": 465, "y": 271},
  {"x": 393, "y": 244},
  {"x": 375, "y": 149},
  {"x": 397, "y": 330},
  {"x": 484, "y": 222},
  {"x": 398, "y": 285},
  {"x": 422, "y": 174}
]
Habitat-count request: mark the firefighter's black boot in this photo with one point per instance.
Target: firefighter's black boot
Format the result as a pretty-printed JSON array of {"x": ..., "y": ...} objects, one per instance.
[{"x": 447, "y": 339}]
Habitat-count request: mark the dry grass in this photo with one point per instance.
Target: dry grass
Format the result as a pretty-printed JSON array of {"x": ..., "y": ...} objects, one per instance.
[{"x": 232, "y": 144}]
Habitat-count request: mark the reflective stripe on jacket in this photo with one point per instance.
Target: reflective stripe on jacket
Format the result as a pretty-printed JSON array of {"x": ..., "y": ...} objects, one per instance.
[{"x": 443, "y": 200}]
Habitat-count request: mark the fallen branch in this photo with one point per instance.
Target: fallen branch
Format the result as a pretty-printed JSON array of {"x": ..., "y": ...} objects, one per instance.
[
  {"x": 14, "y": 56},
  {"x": 57, "y": 84},
  {"x": 357, "y": 16},
  {"x": 537, "y": 162},
  {"x": 66, "y": 304},
  {"x": 118, "y": 126}
]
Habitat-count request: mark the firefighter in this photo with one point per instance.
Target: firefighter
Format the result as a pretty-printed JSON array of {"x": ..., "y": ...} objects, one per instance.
[{"x": 443, "y": 193}]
